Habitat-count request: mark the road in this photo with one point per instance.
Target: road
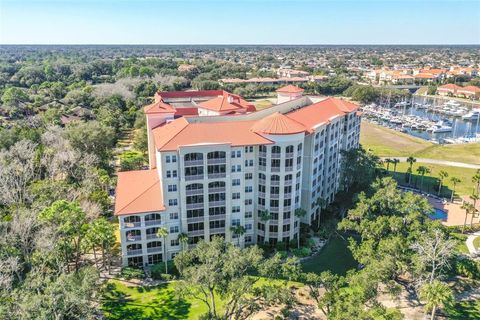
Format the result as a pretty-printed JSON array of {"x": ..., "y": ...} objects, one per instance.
[{"x": 441, "y": 162}]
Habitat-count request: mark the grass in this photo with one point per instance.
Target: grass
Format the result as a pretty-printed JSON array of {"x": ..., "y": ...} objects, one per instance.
[
  {"x": 476, "y": 243},
  {"x": 335, "y": 257},
  {"x": 430, "y": 181},
  {"x": 123, "y": 302},
  {"x": 464, "y": 310},
  {"x": 385, "y": 142},
  {"x": 263, "y": 104},
  {"x": 461, "y": 247}
]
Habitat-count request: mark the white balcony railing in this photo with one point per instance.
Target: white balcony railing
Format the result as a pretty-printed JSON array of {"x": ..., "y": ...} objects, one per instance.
[
  {"x": 216, "y": 203},
  {"x": 216, "y": 175},
  {"x": 216, "y": 190},
  {"x": 194, "y": 206},
  {"x": 152, "y": 236},
  {"x": 194, "y": 177},
  {"x": 217, "y": 217},
  {"x": 153, "y": 222},
  {"x": 154, "y": 249},
  {"x": 191, "y": 163},
  {"x": 133, "y": 238},
  {"x": 194, "y": 192},
  {"x": 134, "y": 252},
  {"x": 195, "y": 219},
  {"x": 129, "y": 225},
  {"x": 217, "y": 161},
  {"x": 275, "y": 169}
]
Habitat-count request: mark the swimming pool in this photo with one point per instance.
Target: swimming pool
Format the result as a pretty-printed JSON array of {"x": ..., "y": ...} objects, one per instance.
[{"x": 439, "y": 214}]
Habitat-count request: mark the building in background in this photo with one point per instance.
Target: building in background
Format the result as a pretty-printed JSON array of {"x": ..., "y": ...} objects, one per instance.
[{"x": 229, "y": 166}]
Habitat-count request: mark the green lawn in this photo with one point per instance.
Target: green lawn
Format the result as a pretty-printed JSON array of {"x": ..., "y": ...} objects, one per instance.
[
  {"x": 385, "y": 142},
  {"x": 476, "y": 243},
  {"x": 461, "y": 246},
  {"x": 122, "y": 302},
  {"x": 430, "y": 181},
  {"x": 465, "y": 310},
  {"x": 335, "y": 257}
]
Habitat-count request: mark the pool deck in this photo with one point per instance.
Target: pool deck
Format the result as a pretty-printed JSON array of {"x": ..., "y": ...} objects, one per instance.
[{"x": 456, "y": 215}]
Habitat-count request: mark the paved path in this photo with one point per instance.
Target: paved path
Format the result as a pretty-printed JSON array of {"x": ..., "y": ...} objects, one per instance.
[
  {"x": 441, "y": 162},
  {"x": 469, "y": 242}
]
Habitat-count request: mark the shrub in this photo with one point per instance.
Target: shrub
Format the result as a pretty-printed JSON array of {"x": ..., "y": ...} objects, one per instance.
[
  {"x": 302, "y": 252},
  {"x": 468, "y": 268},
  {"x": 129, "y": 273}
]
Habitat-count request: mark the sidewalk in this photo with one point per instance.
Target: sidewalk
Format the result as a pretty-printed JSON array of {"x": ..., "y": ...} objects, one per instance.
[{"x": 470, "y": 246}]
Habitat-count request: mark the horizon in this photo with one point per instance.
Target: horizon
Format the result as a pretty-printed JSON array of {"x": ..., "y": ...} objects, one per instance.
[{"x": 263, "y": 22}]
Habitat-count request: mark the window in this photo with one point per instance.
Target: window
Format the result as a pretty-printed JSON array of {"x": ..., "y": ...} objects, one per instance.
[
  {"x": 261, "y": 201},
  {"x": 235, "y": 209},
  {"x": 232, "y": 154},
  {"x": 195, "y": 226},
  {"x": 289, "y": 149},
  {"x": 235, "y": 182},
  {"x": 286, "y": 227},
  {"x": 262, "y": 148},
  {"x": 173, "y": 202},
  {"x": 172, "y": 187},
  {"x": 174, "y": 242},
  {"x": 288, "y": 162},
  {"x": 248, "y": 239},
  {"x": 248, "y": 214},
  {"x": 275, "y": 163},
  {"x": 248, "y": 176},
  {"x": 274, "y": 190},
  {"x": 287, "y": 189},
  {"x": 174, "y": 229},
  {"x": 239, "y": 153},
  {"x": 287, "y": 202},
  {"x": 248, "y": 189},
  {"x": 236, "y": 195},
  {"x": 261, "y": 226},
  {"x": 248, "y": 202},
  {"x": 276, "y": 150},
  {"x": 273, "y": 228},
  {"x": 262, "y": 162},
  {"x": 248, "y": 226},
  {"x": 167, "y": 159},
  {"x": 217, "y": 224},
  {"x": 174, "y": 159},
  {"x": 215, "y": 211},
  {"x": 173, "y": 215},
  {"x": 174, "y": 173},
  {"x": 299, "y": 147},
  {"x": 169, "y": 174},
  {"x": 239, "y": 168},
  {"x": 235, "y": 222},
  {"x": 261, "y": 188},
  {"x": 196, "y": 156},
  {"x": 273, "y": 203},
  {"x": 286, "y": 215},
  {"x": 195, "y": 213}
]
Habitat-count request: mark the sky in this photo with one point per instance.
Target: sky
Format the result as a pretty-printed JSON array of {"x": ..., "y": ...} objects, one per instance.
[{"x": 239, "y": 22}]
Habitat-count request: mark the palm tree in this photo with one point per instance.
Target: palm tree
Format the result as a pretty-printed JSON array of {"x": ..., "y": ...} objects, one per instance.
[
  {"x": 388, "y": 161},
  {"x": 163, "y": 233},
  {"x": 321, "y": 202},
  {"x": 475, "y": 198},
  {"x": 395, "y": 161},
  {"x": 422, "y": 170},
  {"x": 476, "y": 181},
  {"x": 183, "y": 239},
  {"x": 441, "y": 175},
  {"x": 454, "y": 181},
  {"x": 435, "y": 295},
  {"x": 265, "y": 216},
  {"x": 299, "y": 213},
  {"x": 411, "y": 160},
  {"x": 468, "y": 207},
  {"x": 238, "y": 231}
]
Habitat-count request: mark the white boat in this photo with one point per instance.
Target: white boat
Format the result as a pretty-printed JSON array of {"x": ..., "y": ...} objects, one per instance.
[
  {"x": 438, "y": 128},
  {"x": 472, "y": 115},
  {"x": 452, "y": 103}
]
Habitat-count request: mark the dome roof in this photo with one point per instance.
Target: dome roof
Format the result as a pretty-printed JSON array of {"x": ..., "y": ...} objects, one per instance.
[{"x": 277, "y": 124}]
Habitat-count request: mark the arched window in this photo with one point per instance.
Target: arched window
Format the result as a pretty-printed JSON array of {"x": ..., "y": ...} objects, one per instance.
[
  {"x": 194, "y": 186},
  {"x": 262, "y": 176},
  {"x": 288, "y": 177},
  {"x": 289, "y": 149},
  {"x": 299, "y": 147},
  {"x": 275, "y": 178},
  {"x": 134, "y": 246},
  {"x": 216, "y": 184},
  {"x": 154, "y": 244},
  {"x": 276, "y": 150},
  {"x": 152, "y": 216},
  {"x": 132, "y": 219},
  {"x": 216, "y": 155}
]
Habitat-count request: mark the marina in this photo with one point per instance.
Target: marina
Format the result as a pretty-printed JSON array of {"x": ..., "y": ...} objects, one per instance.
[{"x": 436, "y": 120}]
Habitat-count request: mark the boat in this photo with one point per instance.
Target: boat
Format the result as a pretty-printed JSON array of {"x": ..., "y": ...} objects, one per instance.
[
  {"x": 472, "y": 115},
  {"x": 452, "y": 103},
  {"x": 439, "y": 127}
]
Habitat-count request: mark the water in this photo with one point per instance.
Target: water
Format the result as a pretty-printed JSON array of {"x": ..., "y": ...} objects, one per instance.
[
  {"x": 460, "y": 127},
  {"x": 439, "y": 214}
]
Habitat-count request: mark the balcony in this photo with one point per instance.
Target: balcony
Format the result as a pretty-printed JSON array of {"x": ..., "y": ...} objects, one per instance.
[
  {"x": 262, "y": 154},
  {"x": 196, "y": 233},
  {"x": 262, "y": 168},
  {"x": 272, "y": 234},
  {"x": 193, "y": 163},
  {"x": 288, "y": 169},
  {"x": 220, "y": 203},
  {"x": 261, "y": 194},
  {"x": 289, "y": 154},
  {"x": 275, "y": 182},
  {"x": 216, "y": 190},
  {"x": 299, "y": 166},
  {"x": 217, "y": 161},
  {"x": 288, "y": 182},
  {"x": 128, "y": 225},
  {"x": 194, "y": 177},
  {"x": 274, "y": 196},
  {"x": 287, "y": 195},
  {"x": 274, "y": 209},
  {"x": 194, "y": 206},
  {"x": 217, "y": 230},
  {"x": 134, "y": 252},
  {"x": 217, "y": 175},
  {"x": 195, "y": 192},
  {"x": 261, "y": 181},
  {"x": 287, "y": 208},
  {"x": 154, "y": 249},
  {"x": 153, "y": 222},
  {"x": 152, "y": 236},
  {"x": 275, "y": 169},
  {"x": 195, "y": 219},
  {"x": 286, "y": 221},
  {"x": 134, "y": 238},
  {"x": 217, "y": 217},
  {"x": 276, "y": 155}
]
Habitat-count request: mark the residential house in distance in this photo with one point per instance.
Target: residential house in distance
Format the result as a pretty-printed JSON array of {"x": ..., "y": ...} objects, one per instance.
[
  {"x": 453, "y": 90},
  {"x": 291, "y": 73},
  {"x": 213, "y": 170},
  {"x": 448, "y": 89}
]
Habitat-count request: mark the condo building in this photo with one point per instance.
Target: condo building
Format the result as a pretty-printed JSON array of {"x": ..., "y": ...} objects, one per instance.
[{"x": 215, "y": 162}]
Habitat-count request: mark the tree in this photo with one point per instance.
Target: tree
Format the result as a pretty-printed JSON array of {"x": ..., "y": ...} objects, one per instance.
[
  {"x": 101, "y": 234},
  {"x": 299, "y": 213},
  {"x": 238, "y": 231},
  {"x": 265, "y": 216},
  {"x": 219, "y": 269},
  {"x": 163, "y": 233},
  {"x": 183, "y": 239},
  {"x": 436, "y": 295},
  {"x": 388, "y": 161},
  {"x": 422, "y": 170},
  {"x": 410, "y": 160},
  {"x": 395, "y": 161},
  {"x": 476, "y": 181},
  {"x": 454, "y": 181},
  {"x": 13, "y": 98},
  {"x": 321, "y": 203},
  {"x": 131, "y": 160},
  {"x": 442, "y": 175},
  {"x": 469, "y": 209},
  {"x": 474, "y": 198}
]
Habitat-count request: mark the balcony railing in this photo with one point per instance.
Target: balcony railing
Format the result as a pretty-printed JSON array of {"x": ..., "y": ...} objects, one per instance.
[
  {"x": 272, "y": 234},
  {"x": 132, "y": 224},
  {"x": 276, "y": 155},
  {"x": 194, "y": 177},
  {"x": 261, "y": 194},
  {"x": 217, "y": 161},
  {"x": 288, "y": 182},
  {"x": 217, "y": 175},
  {"x": 154, "y": 249},
  {"x": 194, "y": 192},
  {"x": 275, "y": 169},
  {"x": 194, "y": 206},
  {"x": 217, "y": 230},
  {"x": 275, "y": 182},
  {"x": 289, "y": 168},
  {"x": 134, "y": 252},
  {"x": 195, "y": 219},
  {"x": 289, "y": 154},
  {"x": 261, "y": 181},
  {"x": 216, "y": 190},
  {"x": 153, "y": 222},
  {"x": 287, "y": 208},
  {"x": 191, "y": 163},
  {"x": 287, "y": 195},
  {"x": 134, "y": 238},
  {"x": 220, "y": 203},
  {"x": 262, "y": 168},
  {"x": 152, "y": 236},
  {"x": 274, "y": 209},
  {"x": 262, "y": 154},
  {"x": 196, "y": 233},
  {"x": 274, "y": 196},
  {"x": 217, "y": 217}
]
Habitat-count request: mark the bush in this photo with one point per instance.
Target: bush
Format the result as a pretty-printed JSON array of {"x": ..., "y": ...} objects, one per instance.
[
  {"x": 468, "y": 268},
  {"x": 302, "y": 252},
  {"x": 129, "y": 273}
]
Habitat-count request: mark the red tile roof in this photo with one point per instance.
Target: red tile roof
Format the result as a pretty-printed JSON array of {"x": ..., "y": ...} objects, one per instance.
[
  {"x": 138, "y": 191},
  {"x": 290, "y": 89},
  {"x": 449, "y": 87},
  {"x": 322, "y": 112},
  {"x": 277, "y": 124},
  {"x": 472, "y": 89},
  {"x": 158, "y": 107},
  {"x": 179, "y": 132},
  {"x": 222, "y": 103}
]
